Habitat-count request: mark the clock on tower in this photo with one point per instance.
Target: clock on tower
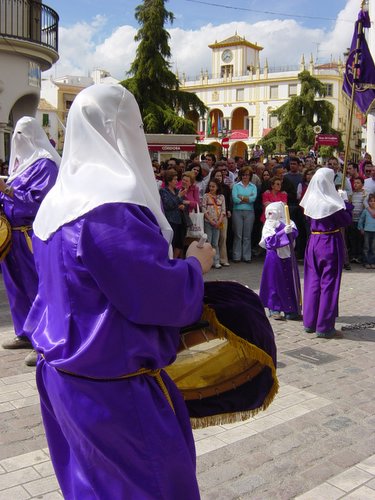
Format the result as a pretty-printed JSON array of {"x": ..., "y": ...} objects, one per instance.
[{"x": 227, "y": 56}]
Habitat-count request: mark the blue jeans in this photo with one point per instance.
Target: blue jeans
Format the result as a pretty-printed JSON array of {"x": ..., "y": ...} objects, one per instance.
[
  {"x": 213, "y": 234},
  {"x": 243, "y": 221},
  {"x": 369, "y": 247}
]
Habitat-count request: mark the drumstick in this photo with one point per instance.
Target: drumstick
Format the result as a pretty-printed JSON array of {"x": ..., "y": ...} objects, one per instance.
[{"x": 202, "y": 241}]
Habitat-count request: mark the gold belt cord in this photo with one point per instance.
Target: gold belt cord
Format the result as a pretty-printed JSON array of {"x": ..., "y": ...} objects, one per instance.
[
  {"x": 142, "y": 371},
  {"x": 24, "y": 230},
  {"x": 326, "y": 232}
]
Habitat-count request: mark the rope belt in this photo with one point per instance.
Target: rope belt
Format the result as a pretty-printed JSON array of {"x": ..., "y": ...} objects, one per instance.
[
  {"x": 326, "y": 232},
  {"x": 142, "y": 371},
  {"x": 24, "y": 230}
]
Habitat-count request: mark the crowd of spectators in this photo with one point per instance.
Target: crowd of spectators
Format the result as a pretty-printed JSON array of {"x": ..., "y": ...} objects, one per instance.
[
  {"x": 4, "y": 167},
  {"x": 240, "y": 191}
]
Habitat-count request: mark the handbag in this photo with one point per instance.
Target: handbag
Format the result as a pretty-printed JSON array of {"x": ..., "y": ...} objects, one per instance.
[
  {"x": 5, "y": 236},
  {"x": 197, "y": 224},
  {"x": 186, "y": 218}
]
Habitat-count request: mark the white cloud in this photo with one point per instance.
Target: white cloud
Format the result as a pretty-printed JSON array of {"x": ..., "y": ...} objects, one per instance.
[
  {"x": 83, "y": 46},
  {"x": 339, "y": 39}
]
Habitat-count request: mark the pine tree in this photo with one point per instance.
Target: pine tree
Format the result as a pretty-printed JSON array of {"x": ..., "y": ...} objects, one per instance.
[
  {"x": 296, "y": 117},
  {"x": 155, "y": 87}
]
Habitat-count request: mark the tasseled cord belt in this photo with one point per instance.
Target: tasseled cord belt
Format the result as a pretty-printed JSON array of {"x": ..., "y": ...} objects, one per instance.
[
  {"x": 142, "y": 371},
  {"x": 24, "y": 230}
]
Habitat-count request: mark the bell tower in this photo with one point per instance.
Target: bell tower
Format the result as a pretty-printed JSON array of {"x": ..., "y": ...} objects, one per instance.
[{"x": 234, "y": 56}]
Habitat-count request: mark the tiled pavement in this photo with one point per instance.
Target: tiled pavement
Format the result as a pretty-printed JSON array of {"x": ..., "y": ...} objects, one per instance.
[{"x": 316, "y": 440}]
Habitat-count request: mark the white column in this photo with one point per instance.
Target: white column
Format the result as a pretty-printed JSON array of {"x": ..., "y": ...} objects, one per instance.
[{"x": 370, "y": 148}]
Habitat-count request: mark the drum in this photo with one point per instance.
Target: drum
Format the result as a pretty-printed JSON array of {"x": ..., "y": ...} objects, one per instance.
[
  {"x": 226, "y": 367},
  {"x": 5, "y": 236}
]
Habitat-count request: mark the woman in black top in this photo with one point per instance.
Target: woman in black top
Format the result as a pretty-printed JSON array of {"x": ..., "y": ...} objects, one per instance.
[{"x": 174, "y": 210}]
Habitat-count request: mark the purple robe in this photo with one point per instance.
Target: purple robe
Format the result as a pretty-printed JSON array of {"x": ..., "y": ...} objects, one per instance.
[
  {"x": 324, "y": 260},
  {"x": 277, "y": 285},
  {"x": 18, "y": 268},
  {"x": 109, "y": 303}
]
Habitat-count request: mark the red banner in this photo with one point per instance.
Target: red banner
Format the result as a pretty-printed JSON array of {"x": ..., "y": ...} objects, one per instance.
[
  {"x": 171, "y": 147},
  {"x": 327, "y": 140}
]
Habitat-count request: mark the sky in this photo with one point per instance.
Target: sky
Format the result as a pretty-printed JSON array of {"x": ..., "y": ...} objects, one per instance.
[{"x": 100, "y": 34}]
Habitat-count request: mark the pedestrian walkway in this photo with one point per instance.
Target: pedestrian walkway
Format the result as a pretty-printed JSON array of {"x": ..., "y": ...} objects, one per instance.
[
  {"x": 355, "y": 483},
  {"x": 315, "y": 441}
]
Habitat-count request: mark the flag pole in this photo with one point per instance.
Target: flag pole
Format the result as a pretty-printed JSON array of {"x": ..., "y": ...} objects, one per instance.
[
  {"x": 295, "y": 273},
  {"x": 351, "y": 109}
]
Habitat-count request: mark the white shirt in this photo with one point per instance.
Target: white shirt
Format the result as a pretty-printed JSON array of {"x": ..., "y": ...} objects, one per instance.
[{"x": 369, "y": 185}]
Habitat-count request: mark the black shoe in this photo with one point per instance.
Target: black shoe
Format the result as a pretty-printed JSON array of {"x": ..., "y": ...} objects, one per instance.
[
  {"x": 309, "y": 330},
  {"x": 293, "y": 317},
  {"x": 347, "y": 267},
  {"x": 332, "y": 334},
  {"x": 17, "y": 343}
]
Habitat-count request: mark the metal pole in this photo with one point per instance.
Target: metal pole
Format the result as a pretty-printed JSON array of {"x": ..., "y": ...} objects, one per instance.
[{"x": 351, "y": 110}]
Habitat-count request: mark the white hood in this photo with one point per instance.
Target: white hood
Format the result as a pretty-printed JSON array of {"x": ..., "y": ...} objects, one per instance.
[
  {"x": 105, "y": 160},
  {"x": 29, "y": 144}
]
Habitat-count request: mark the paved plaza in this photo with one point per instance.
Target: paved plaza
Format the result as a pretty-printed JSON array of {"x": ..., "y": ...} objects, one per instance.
[{"x": 315, "y": 441}]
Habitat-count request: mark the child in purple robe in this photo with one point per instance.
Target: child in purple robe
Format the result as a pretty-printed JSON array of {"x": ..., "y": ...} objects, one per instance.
[
  {"x": 327, "y": 211},
  {"x": 33, "y": 170},
  {"x": 117, "y": 426},
  {"x": 277, "y": 288}
]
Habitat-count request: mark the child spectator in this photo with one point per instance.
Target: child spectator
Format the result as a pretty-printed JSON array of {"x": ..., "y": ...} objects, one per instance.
[
  {"x": 366, "y": 225},
  {"x": 213, "y": 207},
  {"x": 355, "y": 238}
]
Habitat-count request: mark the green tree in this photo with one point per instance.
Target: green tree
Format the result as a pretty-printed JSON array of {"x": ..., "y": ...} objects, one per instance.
[
  {"x": 296, "y": 117},
  {"x": 162, "y": 104}
]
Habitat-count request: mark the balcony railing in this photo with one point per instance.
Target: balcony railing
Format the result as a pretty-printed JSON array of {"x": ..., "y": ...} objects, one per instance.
[{"x": 29, "y": 20}]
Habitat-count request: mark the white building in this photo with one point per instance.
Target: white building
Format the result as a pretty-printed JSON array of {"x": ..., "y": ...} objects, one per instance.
[
  {"x": 241, "y": 95},
  {"x": 28, "y": 46},
  {"x": 57, "y": 95}
]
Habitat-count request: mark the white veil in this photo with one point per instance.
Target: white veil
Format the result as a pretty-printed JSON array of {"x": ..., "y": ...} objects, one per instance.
[
  {"x": 321, "y": 198},
  {"x": 29, "y": 144},
  {"x": 105, "y": 160}
]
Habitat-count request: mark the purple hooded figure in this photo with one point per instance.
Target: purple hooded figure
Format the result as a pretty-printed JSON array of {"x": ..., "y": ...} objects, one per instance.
[
  {"x": 278, "y": 290},
  {"x": 324, "y": 258},
  {"x": 108, "y": 313},
  {"x": 33, "y": 168}
]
